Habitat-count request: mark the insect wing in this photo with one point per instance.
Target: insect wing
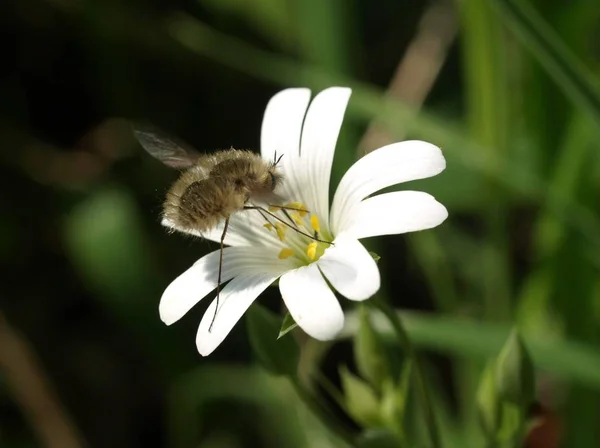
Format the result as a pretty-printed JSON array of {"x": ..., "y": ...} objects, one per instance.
[{"x": 165, "y": 149}]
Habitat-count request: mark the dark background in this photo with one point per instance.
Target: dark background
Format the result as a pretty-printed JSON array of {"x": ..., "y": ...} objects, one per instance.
[{"x": 84, "y": 260}]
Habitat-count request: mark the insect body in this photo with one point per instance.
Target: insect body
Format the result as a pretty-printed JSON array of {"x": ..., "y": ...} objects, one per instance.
[
  {"x": 216, "y": 186},
  {"x": 211, "y": 187}
]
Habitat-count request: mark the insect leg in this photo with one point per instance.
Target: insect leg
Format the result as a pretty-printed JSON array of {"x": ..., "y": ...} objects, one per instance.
[
  {"x": 264, "y": 210},
  {"x": 287, "y": 215},
  {"x": 220, "y": 270}
]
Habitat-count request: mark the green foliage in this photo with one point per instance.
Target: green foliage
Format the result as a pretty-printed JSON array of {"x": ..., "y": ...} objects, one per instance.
[{"x": 278, "y": 356}]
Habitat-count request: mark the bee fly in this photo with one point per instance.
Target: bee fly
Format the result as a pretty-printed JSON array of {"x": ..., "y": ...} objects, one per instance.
[{"x": 214, "y": 186}]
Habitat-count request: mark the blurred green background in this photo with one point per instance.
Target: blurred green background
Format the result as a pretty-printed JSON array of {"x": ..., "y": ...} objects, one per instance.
[{"x": 508, "y": 89}]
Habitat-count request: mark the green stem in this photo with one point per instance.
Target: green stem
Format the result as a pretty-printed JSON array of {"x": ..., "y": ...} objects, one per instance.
[
  {"x": 324, "y": 415},
  {"x": 421, "y": 386}
]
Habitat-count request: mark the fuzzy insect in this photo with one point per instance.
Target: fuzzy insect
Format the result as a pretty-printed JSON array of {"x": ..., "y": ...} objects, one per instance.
[{"x": 214, "y": 186}]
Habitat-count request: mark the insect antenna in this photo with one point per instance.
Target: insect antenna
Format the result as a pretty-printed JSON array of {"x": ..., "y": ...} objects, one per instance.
[
  {"x": 220, "y": 270},
  {"x": 276, "y": 159}
]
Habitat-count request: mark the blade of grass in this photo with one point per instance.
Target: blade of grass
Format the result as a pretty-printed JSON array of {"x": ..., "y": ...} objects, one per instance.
[
  {"x": 488, "y": 96},
  {"x": 567, "y": 70},
  {"x": 488, "y": 113}
]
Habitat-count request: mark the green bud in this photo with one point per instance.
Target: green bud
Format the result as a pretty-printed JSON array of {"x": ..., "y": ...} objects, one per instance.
[
  {"x": 369, "y": 352},
  {"x": 394, "y": 401},
  {"x": 488, "y": 406},
  {"x": 377, "y": 438},
  {"x": 512, "y": 421},
  {"x": 279, "y": 356},
  {"x": 515, "y": 376},
  {"x": 360, "y": 399}
]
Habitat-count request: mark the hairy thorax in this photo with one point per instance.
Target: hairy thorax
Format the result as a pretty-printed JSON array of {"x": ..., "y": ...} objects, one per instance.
[{"x": 204, "y": 195}]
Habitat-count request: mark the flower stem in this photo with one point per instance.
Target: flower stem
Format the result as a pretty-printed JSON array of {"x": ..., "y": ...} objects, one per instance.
[
  {"x": 324, "y": 415},
  {"x": 421, "y": 386}
]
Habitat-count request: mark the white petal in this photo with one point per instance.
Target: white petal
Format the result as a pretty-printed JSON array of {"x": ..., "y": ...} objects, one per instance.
[
  {"x": 350, "y": 269},
  {"x": 311, "y": 302},
  {"x": 397, "y": 212},
  {"x": 319, "y": 136},
  {"x": 246, "y": 228},
  {"x": 390, "y": 165},
  {"x": 234, "y": 300},
  {"x": 281, "y": 130},
  {"x": 199, "y": 280}
]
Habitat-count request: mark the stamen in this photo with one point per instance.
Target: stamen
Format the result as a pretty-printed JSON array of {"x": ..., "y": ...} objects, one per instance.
[
  {"x": 268, "y": 226},
  {"x": 285, "y": 253},
  {"x": 274, "y": 208},
  {"x": 311, "y": 250},
  {"x": 297, "y": 219},
  {"x": 280, "y": 229},
  {"x": 314, "y": 222}
]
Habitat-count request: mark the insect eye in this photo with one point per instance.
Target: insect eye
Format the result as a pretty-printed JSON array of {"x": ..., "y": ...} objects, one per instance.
[{"x": 273, "y": 181}]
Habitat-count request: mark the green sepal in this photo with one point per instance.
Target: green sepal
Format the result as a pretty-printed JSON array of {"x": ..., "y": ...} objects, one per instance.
[
  {"x": 279, "y": 356},
  {"x": 287, "y": 325},
  {"x": 375, "y": 256}
]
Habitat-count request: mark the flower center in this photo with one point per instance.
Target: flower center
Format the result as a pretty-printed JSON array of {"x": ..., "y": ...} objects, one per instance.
[{"x": 299, "y": 230}]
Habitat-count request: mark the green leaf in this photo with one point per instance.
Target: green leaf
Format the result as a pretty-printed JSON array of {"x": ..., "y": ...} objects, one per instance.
[
  {"x": 287, "y": 325},
  {"x": 546, "y": 45},
  {"x": 269, "y": 17},
  {"x": 190, "y": 401},
  {"x": 361, "y": 401},
  {"x": 369, "y": 353},
  {"x": 279, "y": 356},
  {"x": 515, "y": 376}
]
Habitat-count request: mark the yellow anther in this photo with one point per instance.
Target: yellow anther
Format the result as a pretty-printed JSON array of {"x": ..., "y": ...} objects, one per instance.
[
  {"x": 298, "y": 207},
  {"x": 285, "y": 253},
  {"x": 268, "y": 226},
  {"x": 274, "y": 208},
  {"x": 280, "y": 229},
  {"x": 297, "y": 219},
  {"x": 311, "y": 250},
  {"x": 314, "y": 222}
]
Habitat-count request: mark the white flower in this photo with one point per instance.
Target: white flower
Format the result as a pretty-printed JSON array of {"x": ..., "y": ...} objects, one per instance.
[{"x": 258, "y": 255}]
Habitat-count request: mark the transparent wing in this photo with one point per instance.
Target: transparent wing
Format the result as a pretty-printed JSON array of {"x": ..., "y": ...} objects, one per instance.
[{"x": 169, "y": 151}]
